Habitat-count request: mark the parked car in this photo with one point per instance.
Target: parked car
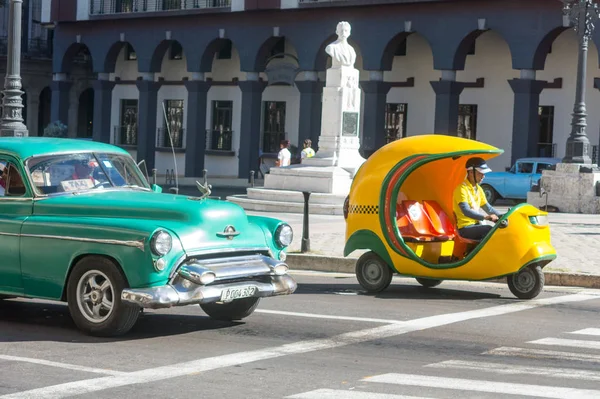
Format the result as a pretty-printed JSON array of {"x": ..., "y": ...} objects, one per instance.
[
  {"x": 80, "y": 223},
  {"x": 516, "y": 181}
]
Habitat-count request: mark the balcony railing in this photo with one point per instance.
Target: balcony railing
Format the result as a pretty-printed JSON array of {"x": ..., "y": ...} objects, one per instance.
[
  {"x": 34, "y": 48},
  {"x": 318, "y": 1},
  {"x": 163, "y": 140},
  {"x": 103, "y": 7},
  {"x": 125, "y": 135},
  {"x": 219, "y": 140}
]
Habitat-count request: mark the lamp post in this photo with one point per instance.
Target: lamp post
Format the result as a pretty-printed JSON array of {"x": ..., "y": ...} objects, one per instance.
[
  {"x": 581, "y": 14},
  {"x": 12, "y": 103}
]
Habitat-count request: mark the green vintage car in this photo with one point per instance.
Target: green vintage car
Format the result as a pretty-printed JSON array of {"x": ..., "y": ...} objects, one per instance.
[{"x": 80, "y": 222}]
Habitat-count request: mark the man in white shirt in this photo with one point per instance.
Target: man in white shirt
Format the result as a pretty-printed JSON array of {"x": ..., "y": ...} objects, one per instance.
[{"x": 285, "y": 156}]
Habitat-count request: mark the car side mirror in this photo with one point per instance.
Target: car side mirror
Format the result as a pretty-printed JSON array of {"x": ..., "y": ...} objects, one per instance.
[{"x": 156, "y": 188}]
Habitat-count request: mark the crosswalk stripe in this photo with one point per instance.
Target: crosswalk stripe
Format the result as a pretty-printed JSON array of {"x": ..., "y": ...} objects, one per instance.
[
  {"x": 588, "y": 331},
  {"x": 462, "y": 384},
  {"x": 340, "y": 394},
  {"x": 500, "y": 368},
  {"x": 573, "y": 343},
  {"x": 543, "y": 354}
]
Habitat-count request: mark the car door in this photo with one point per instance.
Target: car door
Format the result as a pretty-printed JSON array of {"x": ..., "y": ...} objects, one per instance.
[
  {"x": 519, "y": 184},
  {"x": 16, "y": 205},
  {"x": 539, "y": 168}
]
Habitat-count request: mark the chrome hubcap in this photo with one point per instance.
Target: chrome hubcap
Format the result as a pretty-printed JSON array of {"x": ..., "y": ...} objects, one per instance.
[
  {"x": 525, "y": 280},
  {"x": 372, "y": 272},
  {"x": 95, "y": 296}
]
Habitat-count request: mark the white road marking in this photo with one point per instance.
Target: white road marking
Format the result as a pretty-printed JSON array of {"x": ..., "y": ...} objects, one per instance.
[
  {"x": 197, "y": 366},
  {"x": 462, "y": 384},
  {"x": 324, "y": 316},
  {"x": 60, "y": 365},
  {"x": 588, "y": 331},
  {"x": 543, "y": 354},
  {"x": 573, "y": 343},
  {"x": 340, "y": 394},
  {"x": 499, "y": 368}
]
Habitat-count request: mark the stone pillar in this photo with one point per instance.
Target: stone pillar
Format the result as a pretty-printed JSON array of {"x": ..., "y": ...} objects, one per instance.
[
  {"x": 252, "y": 90},
  {"x": 60, "y": 101},
  {"x": 195, "y": 142},
  {"x": 526, "y": 122},
  {"x": 311, "y": 92},
  {"x": 12, "y": 102},
  {"x": 447, "y": 98},
  {"x": 102, "y": 107},
  {"x": 147, "y": 110},
  {"x": 376, "y": 91}
]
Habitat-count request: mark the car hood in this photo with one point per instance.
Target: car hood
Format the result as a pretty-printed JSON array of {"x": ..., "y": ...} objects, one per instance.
[{"x": 198, "y": 223}]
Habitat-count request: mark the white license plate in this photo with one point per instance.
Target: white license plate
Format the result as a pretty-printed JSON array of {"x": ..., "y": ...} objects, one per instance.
[{"x": 245, "y": 291}]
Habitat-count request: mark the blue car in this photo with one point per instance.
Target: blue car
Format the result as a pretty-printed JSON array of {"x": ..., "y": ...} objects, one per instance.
[{"x": 516, "y": 181}]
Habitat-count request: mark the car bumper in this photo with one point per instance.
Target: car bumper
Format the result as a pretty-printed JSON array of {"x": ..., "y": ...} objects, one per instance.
[{"x": 185, "y": 288}]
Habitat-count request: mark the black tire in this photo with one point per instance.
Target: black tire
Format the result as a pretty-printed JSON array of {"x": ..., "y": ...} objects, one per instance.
[
  {"x": 428, "y": 282},
  {"x": 372, "y": 273},
  {"x": 229, "y": 311},
  {"x": 120, "y": 318},
  {"x": 490, "y": 193},
  {"x": 527, "y": 283}
]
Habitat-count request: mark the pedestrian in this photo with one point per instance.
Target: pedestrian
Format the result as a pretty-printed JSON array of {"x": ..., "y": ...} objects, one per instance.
[
  {"x": 307, "y": 151},
  {"x": 285, "y": 156}
]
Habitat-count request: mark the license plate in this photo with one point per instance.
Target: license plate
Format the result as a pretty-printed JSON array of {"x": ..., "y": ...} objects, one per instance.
[{"x": 245, "y": 291}]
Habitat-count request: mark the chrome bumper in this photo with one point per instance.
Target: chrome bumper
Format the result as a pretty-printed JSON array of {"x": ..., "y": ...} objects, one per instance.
[{"x": 185, "y": 287}]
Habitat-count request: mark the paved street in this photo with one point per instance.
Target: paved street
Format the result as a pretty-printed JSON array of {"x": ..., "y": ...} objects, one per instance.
[{"x": 328, "y": 340}]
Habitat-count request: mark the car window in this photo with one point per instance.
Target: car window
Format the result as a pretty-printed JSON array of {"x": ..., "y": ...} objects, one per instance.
[
  {"x": 543, "y": 166},
  {"x": 525, "y": 167},
  {"x": 11, "y": 180}
]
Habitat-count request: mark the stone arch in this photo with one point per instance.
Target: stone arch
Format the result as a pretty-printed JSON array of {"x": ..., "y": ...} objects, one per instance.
[
  {"x": 110, "y": 60},
  {"x": 269, "y": 48},
  {"x": 214, "y": 47},
  {"x": 467, "y": 42},
  {"x": 390, "y": 50},
  {"x": 544, "y": 46},
  {"x": 159, "y": 53},
  {"x": 76, "y": 53}
]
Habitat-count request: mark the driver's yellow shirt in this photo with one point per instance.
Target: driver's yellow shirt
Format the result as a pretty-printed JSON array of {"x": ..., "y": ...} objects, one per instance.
[{"x": 472, "y": 195}]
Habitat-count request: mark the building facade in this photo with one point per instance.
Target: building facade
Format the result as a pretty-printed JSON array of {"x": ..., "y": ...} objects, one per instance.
[{"x": 223, "y": 81}]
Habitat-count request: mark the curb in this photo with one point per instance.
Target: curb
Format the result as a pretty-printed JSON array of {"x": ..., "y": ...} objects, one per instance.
[{"x": 338, "y": 264}]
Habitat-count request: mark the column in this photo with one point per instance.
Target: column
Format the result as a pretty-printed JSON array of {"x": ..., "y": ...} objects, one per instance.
[
  {"x": 147, "y": 111},
  {"x": 447, "y": 98},
  {"x": 252, "y": 90},
  {"x": 526, "y": 122},
  {"x": 376, "y": 91},
  {"x": 311, "y": 92},
  {"x": 59, "y": 109},
  {"x": 195, "y": 142},
  {"x": 102, "y": 107},
  {"x": 33, "y": 109}
]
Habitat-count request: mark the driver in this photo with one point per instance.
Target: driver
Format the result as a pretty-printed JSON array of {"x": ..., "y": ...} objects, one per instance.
[
  {"x": 83, "y": 170},
  {"x": 469, "y": 198}
]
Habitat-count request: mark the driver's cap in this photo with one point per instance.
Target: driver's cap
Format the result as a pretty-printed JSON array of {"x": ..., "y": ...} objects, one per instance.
[{"x": 479, "y": 165}]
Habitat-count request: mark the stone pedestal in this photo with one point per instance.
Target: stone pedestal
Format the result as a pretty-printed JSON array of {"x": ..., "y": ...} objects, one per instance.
[{"x": 571, "y": 188}]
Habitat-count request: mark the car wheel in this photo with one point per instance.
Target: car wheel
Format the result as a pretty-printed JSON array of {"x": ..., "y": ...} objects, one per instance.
[
  {"x": 428, "y": 282},
  {"x": 527, "y": 283},
  {"x": 228, "y": 311},
  {"x": 490, "y": 194},
  {"x": 94, "y": 297},
  {"x": 372, "y": 273}
]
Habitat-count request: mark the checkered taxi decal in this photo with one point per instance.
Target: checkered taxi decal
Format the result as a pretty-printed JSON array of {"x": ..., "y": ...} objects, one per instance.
[{"x": 364, "y": 209}]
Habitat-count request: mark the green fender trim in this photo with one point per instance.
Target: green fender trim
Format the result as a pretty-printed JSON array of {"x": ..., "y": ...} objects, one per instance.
[{"x": 366, "y": 239}]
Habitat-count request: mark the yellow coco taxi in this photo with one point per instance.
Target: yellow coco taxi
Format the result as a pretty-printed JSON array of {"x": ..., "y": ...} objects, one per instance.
[{"x": 400, "y": 209}]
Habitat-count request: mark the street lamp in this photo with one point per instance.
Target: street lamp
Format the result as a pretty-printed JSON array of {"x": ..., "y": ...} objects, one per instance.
[
  {"x": 12, "y": 103},
  {"x": 582, "y": 14}
]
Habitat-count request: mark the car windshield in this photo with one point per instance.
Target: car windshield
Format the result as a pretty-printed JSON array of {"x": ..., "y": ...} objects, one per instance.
[{"x": 78, "y": 172}]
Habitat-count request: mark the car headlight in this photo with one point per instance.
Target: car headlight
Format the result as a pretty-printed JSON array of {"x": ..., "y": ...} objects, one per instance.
[
  {"x": 161, "y": 243},
  {"x": 284, "y": 235},
  {"x": 540, "y": 220}
]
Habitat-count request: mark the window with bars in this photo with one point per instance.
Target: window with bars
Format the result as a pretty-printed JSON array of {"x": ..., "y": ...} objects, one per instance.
[
  {"x": 546, "y": 147},
  {"x": 219, "y": 138},
  {"x": 395, "y": 121},
  {"x": 172, "y": 125},
  {"x": 273, "y": 125},
  {"x": 467, "y": 121},
  {"x": 126, "y": 132}
]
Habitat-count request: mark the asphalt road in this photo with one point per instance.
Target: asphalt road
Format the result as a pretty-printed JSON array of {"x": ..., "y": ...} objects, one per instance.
[{"x": 328, "y": 340}]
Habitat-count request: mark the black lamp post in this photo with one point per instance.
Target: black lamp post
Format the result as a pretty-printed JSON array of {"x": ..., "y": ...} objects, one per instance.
[
  {"x": 581, "y": 14},
  {"x": 12, "y": 103}
]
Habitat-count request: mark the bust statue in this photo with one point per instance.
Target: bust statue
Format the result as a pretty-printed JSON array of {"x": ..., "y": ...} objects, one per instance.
[{"x": 341, "y": 52}]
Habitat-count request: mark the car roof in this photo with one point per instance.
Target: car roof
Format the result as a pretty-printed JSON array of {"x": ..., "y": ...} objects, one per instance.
[
  {"x": 25, "y": 147},
  {"x": 540, "y": 159}
]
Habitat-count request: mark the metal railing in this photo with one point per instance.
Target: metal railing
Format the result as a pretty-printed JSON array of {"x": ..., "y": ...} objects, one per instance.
[
  {"x": 34, "y": 48},
  {"x": 103, "y": 7},
  {"x": 163, "y": 140},
  {"x": 219, "y": 140},
  {"x": 595, "y": 154},
  {"x": 547, "y": 150},
  {"x": 318, "y": 1},
  {"x": 125, "y": 135},
  {"x": 271, "y": 141}
]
